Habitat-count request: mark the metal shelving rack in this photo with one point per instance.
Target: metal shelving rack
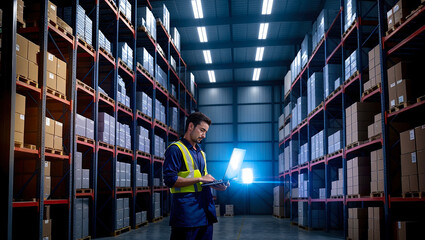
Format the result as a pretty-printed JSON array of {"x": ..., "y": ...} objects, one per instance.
[
  {"x": 365, "y": 33},
  {"x": 88, "y": 69}
]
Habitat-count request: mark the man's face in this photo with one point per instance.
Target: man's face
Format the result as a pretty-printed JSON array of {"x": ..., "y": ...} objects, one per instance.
[{"x": 199, "y": 132}]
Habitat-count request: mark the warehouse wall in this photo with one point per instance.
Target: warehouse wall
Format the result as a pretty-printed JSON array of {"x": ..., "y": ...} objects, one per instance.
[{"x": 243, "y": 117}]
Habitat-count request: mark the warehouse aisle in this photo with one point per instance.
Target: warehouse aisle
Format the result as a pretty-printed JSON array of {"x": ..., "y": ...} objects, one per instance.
[{"x": 234, "y": 228}]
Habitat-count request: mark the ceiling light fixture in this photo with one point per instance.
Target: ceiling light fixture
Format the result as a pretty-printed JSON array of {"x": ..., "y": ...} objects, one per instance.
[
  {"x": 211, "y": 76},
  {"x": 256, "y": 75},
  {"x": 264, "y": 27},
  {"x": 267, "y": 7},
  {"x": 202, "y": 34},
  {"x": 259, "y": 54},
  {"x": 207, "y": 56},
  {"x": 197, "y": 9}
]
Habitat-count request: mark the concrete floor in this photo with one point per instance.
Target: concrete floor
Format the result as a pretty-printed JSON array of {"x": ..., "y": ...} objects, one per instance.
[{"x": 238, "y": 227}]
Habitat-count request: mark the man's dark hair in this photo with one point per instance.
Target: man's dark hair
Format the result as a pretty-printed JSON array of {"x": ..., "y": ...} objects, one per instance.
[{"x": 196, "y": 118}]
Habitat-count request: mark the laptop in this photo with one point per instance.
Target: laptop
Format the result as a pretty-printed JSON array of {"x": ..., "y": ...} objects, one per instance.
[{"x": 233, "y": 167}]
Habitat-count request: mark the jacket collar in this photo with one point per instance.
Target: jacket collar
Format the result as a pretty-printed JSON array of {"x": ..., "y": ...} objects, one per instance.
[{"x": 189, "y": 146}]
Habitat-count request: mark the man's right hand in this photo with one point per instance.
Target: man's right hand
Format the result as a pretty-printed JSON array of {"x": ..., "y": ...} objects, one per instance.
[{"x": 207, "y": 178}]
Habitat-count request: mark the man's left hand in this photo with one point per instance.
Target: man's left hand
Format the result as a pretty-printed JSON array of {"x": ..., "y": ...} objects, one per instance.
[{"x": 221, "y": 187}]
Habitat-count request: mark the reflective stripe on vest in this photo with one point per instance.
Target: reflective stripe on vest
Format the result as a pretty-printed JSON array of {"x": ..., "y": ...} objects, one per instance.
[{"x": 192, "y": 170}]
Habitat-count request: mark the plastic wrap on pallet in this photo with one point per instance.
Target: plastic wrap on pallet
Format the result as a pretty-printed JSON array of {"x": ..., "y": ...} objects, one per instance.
[
  {"x": 302, "y": 109},
  {"x": 302, "y": 214},
  {"x": 314, "y": 91},
  {"x": 330, "y": 73},
  {"x": 314, "y": 39},
  {"x": 163, "y": 14},
  {"x": 88, "y": 30},
  {"x": 123, "y": 51},
  {"x": 81, "y": 17},
  {"x": 281, "y": 120},
  {"x": 129, "y": 57},
  {"x": 128, "y": 10},
  {"x": 176, "y": 38},
  {"x": 287, "y": 83},
  {"x": 306, "y": 49}
]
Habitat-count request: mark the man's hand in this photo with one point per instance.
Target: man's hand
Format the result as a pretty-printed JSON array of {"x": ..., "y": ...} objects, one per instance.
[
  {"x": 221, "y": 187},
  {"x": 207, "y": 178}
]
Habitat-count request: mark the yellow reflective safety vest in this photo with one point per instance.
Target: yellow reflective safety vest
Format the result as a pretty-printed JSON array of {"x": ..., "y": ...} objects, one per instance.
[{"x": 192, "y": 170}]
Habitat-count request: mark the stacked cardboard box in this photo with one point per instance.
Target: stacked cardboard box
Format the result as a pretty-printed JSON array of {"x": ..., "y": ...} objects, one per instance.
[
  {"x": 317, "y": 149},
  {"x": 160, "y": 111},
  {"x": 374, "y": 68},
  {"x": 358, "y": 176},
  {"x": 146, "y": 19},
  {"x": 104, "y": 42},
  {"x": 20, "y": 12},
  {"x": 26, "y": 58},
  {"x": 287, "y": 129},
  {"x": 375, "y": 222},
  {"x": 157, "y": 205},
  {"x": 314, "y": 91},
  {"x": 337, "y": 83},
  {"x": 161, "y": 77},
  {"x": 294, "y": 192},
  {"x": 330, "y": 73},
  {"x": 157, "y": 182},
  {"x": 350, "y": 13},
  {"x": 173, "y": 91},
  {"x": 81, "y": 218},
  {"x": 358, "y": 117},
  {"x": 123, "y": 174},
  {"x": 47, "y": 223},
  {"x": 302, "y": 109},
  {"x": 281, "y": 162},
  {"x": 81, "y": 176},
  {"x": 141, "y": 217},
  {"x": 357, "y": 223},
  {"x": 124, "y": 135},
  {"x": 376, "y": 127},
  {"x": 400, "y": 89},
  {"x": 56, "y": 74},
  {"x": 303, "y": 154},
  {"x": 84, "y": 126},
  {"x": 287, "y": 83},
  {"x": 400, "y": 11},
  {"x": 303, "y": 185},
  {"x": 322, "y": 193},
  {"x": 141, "y": 178},
  {"x": 281, "y": 120},
  {"x": 296, "y": 66},
  {"x": 306, "y": 49},
  {"x": 20, "y": 105},
  {"x": 175, "y": 36},
  {"x": 229, "y": 209},
  {"x": 412, "y": 143},
  {"x": 302, "y": 214},
  {"x": 288, "y": 157},
  {"x": 106, "y": 128},
  {"x": 405, "y": 230},
  {"x": 174, "y": 118},
  {"x": 337, "y": 185},
  {"x": 350, "y": 65},
  {"x": 278, "y": 201},
  {"x": 125, "y": 8},
  {"x": 145, "y": 59},
  {"x": 294, "y": 119},
  {"x": 334, "y": 142},
  {"x": 122, "y": 213},
  {"x": 144, "y": 103},
  {"x": 376, "y": 171},
  {"x": 162, "y": 12},
  {"x": 84, "y": 25},
  {"x": 143, "y": 139},
  {"x": 125, "y": 52}
]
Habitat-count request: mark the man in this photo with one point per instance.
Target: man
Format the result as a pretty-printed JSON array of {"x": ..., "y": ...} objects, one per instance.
[{"x": 192, "y": 207}]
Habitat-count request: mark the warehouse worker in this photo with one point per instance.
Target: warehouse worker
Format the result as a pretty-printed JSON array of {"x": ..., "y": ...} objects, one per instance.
[{"x": 192, "y": 206}]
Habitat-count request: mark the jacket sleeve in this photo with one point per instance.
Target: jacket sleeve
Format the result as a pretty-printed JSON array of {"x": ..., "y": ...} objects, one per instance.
[{"x": 172, "y": 165}]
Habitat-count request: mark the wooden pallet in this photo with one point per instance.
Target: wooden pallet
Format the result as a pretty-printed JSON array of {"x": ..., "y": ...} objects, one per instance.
[
  {"x": 160, "y": 51},
  {"x": 140, "y": 113},
  {"x": 144, "y": 70},
  {"x": 124, "y": 150},
  {"x": 162, "y": 87},
  {"x": 126, "y": 20},
  {"x": 356, "y": 73},
  {"x": 123, "y": 189},
  {"x": 318, "y": 159},
  {"x": 280, "y": 217},
  {"x": 27, "y": 81},
  {"x": 228, "y": 215},
  {"x": 352, "y": 145},
  {"x": 84, "y": 43},
  {"x": 349, "y": 28},
  {"x": 143, "y": 153},
  {"x": 159, "y": 158},
  {"x": 83, "y": 190},
  {"x": 333, "y": 93},
  {"x": 157, "y": 219},
  {"x": 337, "y": 197},
  {"x": 56, "y": 93},
  {"x": 303, "y": 164},
  {"x": 160, "y": 123},
  {"x": 413, "y": 194},
  {"x": 334, "y": 153},
  {"x": 354, "y": 196},
  {"x": 125, "y": 107},
  {"x": 376, "y": 194},
  {"x": 294, "y": 223},
  {"x": 84, "y": 139},
  {"x": 107, "y": 98},
  {"x": 25, "y": 145},
  {"x": 172, "y": 130},
  {"x": 316, "y": 109},
  {"x": 24, "y": 200},
  {"x": 303, "y": 227},
  {"x": 378, "y": 136},
  {"x": 370, "y": 90},
  {"x": 107, "y": 53},
  {"x": 113, "y": 4},
  {"x": 400, "y": 107},
  {"x": 62, "y": 29},
  {"x": 106, "y": 145},
  {"x": 302, "y": 123},
  {"x": 319, "y": 43},
  {"x": 141, "y": 225},
  {"x": 142, "y": 188},
  {"x": 121, "y": 231},
  {"x": 122, "y": 63},
  {"x": 85, "y": 238},
  {"x": 420, "y": 99},
  {"x": 85, "y": 86},
  {"x": 53, "y": 151}
]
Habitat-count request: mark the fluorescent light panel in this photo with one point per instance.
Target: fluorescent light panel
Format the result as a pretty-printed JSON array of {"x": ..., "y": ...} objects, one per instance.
[
  {"x": 207, "y": 56},
  {"x": 256, "y": 75},
  {"x": 264, "y": 27},
  {"x": 202, "y": 34},
  {"x": 267, "y": 7},
  {"x": 211, "y": 76},
  {"x": 259, "y": 54},
  {"x": 197, "y": 9}
]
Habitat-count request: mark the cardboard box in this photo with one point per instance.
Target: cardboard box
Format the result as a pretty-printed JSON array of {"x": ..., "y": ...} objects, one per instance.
[
  {"x": 408, "y": 141},
  {"x": 61, "y": 85},
  {"x": 390, "y": 19},
  {"x": 404, "y": 91},
  {"x": 52, "y": 11},
  {"x": 33, "y": 50},
  {"x": 48, "y": 140},
  {"x": 407, "y": 230},
  {"x": 32, "y": 71},
  {"x": 19, "y": 137},
  {"x": 420, "y": 137},
  {"x": 51, "y": 80},
  {"x": 58, "y": 129},
  {"x": 52, "y": 63},
  {"x": 50, "y": 126},
  {"x": 422, "y": 182},
  {"x": 61, "y": 69},
  {"x": 47, "y": 168},
  {"x": 47, "y": 229},
  {"x": 392, "y": 92},
  {"x": 47, "y": 186},
  {"x": 20, "y": 103},
  {"x": 20, "y": 12},
  {"x": 19, "y": 123},
  {"x": 21, "y": 66},
  {"x": 21, "y": 47},
  {"x": 409, "y": 164},
  {"x": 64, "y": 25},
  {"x": 57, "y": 143}
]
